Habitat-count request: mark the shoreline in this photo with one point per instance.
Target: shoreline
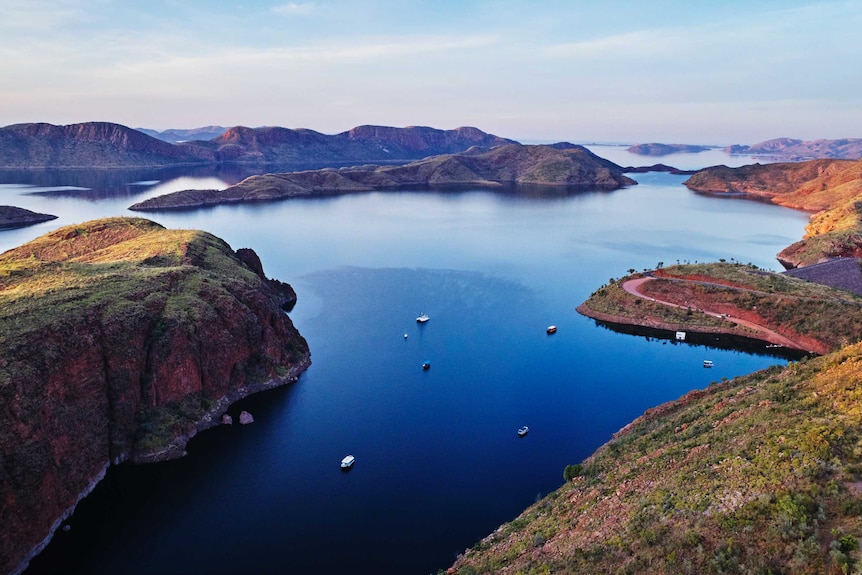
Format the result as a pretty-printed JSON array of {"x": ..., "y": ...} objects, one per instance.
[{"x": 174, "y": 450}]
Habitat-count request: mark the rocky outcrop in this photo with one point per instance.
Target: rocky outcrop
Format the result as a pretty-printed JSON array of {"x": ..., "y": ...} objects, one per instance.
[
  {"x": 145, "y": 336},
  {"x": 12, "y": 217},
  {"x": 797, "y": 150},
  {"x": 656, "y": 149},
  {"x": 513, "y": 165}
]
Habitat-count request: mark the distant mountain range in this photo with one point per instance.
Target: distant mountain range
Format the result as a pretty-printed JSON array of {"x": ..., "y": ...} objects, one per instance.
[
  {"x": 107, "y": 145},
  {"x": 782, "y": 148},
  {"x": 795, "y": 150},
  {"x": 175, "y": 136}
]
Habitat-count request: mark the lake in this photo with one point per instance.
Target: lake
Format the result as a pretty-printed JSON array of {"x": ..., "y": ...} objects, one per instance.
[{"x": 439, "y": 464}]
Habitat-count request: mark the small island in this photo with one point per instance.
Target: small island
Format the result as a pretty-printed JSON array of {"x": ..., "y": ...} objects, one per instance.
[
  {"x": 657, "y": 149},
  {"x": 504, "y": 167},
  {"x": 13, "y": 217}
]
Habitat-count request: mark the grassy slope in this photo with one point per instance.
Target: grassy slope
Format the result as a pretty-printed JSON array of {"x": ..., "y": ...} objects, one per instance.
[
  {"x": 125, "y": 272},
  {"x": 757, "y": 475}
]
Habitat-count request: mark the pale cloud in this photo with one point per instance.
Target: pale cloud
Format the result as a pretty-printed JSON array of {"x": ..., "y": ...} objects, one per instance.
[{"x": 294, "y": 9}]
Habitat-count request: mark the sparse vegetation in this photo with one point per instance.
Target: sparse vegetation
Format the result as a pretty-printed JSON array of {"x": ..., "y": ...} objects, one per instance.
[{"x": 756, "y": 475}]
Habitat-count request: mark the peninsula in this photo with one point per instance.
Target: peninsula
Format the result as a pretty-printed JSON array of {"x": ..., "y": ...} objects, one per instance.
[
  {"x": 657, "y": 149},
  {"x": 560, "y": 166},
  {"x": 145, "y": 337}
]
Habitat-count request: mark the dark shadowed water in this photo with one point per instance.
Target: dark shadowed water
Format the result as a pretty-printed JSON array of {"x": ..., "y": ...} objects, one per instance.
[{"x": 438, "y": 462}]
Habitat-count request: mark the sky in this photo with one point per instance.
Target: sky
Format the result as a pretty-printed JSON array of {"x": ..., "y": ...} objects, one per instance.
[{"x": 626, "y": 71}]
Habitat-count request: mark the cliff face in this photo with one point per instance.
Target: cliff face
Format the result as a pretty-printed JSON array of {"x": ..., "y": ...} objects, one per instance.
[
  {"x": 792, "y": 149},
  {"x": 122, "y": 339}
]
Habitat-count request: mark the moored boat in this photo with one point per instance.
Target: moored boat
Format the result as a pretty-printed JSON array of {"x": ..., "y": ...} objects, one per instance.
[
  {"x": 551, "y": 329},
  {"x": 707, "y": 363},
  {"x": 522, "y": 431},
  {"x": 348, "y": 462},
  {"x": 422, "y": 318}
]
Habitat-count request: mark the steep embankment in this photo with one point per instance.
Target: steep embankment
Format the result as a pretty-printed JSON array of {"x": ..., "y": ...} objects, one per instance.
[
  {"x": 574, "y": 167},
  {"x": 832, "y": 188},
  {"x": 761, "y": 474},
  {"x": 120, "y": 340}
]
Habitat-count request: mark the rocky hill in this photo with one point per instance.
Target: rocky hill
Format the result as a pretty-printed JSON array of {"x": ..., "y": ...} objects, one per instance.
[
  {"x": 656, "y": 149},
  {"x": 760, "y": 474},
  {"x": 831, "y": 188},
  {"x": 797, "y": 150},
  {"x": 89, "y": 145},
  {"x": 511, "y": 165},
  {"x": 121, "y": 340},
  {"x": 362, "y": 144}
]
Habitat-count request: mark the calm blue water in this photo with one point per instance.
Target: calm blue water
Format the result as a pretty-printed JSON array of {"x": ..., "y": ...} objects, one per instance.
[{"x": 438, "y": 462}]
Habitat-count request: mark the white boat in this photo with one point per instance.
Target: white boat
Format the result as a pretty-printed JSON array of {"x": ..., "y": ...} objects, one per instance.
[
  {"x": 707, "y": 363},
  {"x": 551, "y": 329},
  {"x": 680, "y": 336},
  {"x": 522, "y": 431},
  {"x": 348, "y": 462},
  {"x": 422, "y": 318}
]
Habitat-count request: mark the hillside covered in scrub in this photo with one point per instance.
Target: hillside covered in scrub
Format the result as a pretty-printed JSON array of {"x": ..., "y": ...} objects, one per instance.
[
  {"x": 761, "y": 474},
  {"x": 121, "y": 339}
]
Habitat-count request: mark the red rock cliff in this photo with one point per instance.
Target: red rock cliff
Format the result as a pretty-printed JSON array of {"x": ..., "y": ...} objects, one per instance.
[{"x": 120, "y": 340}]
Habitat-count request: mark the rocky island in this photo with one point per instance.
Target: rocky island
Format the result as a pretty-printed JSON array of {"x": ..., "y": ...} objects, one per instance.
[
  {"x": 569, "y": 166},
  {"x": 13, "y": 217},
  {"x": 122, "y": 339},
  {"x": 657, "y": 149}
]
